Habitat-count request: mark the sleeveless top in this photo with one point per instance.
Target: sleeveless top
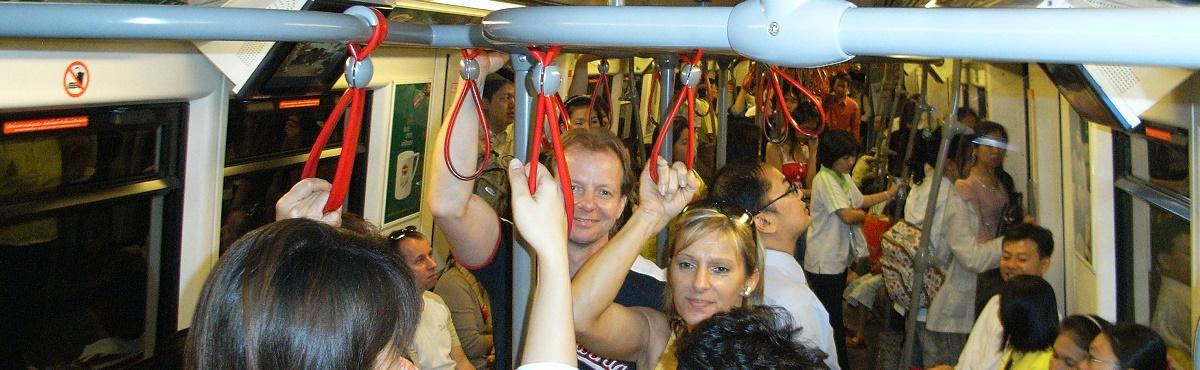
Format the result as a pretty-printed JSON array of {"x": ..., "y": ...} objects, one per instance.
[{"x": 668, "y": 361}]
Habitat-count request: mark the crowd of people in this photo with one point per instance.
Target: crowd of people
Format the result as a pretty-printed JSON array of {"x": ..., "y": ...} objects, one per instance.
[{"x": 760, "y": 259}]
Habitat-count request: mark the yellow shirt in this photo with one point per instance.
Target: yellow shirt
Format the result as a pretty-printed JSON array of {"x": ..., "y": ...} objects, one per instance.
[
  {"x": 1039, "y": 360},
  {"x": 668, "y": 360}
]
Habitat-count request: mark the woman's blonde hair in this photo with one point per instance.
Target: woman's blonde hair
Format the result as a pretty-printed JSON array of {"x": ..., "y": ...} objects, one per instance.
[{"x": 732, "y": 224}]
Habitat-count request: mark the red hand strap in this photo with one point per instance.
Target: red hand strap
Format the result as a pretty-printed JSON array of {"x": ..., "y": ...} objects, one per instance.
[
  {"x": 760, "y": 103},
  {"x": 354, "y": 97},
  {"x": 470, "y": 87},
  {"x": 688, "y": 92},
  {"x": 601, "y": 81},
  {"x": 550, "y": 111}
]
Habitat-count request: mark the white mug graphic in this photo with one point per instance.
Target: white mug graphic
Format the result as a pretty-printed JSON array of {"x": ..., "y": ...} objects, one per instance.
[{"x": 405, "y": 171}]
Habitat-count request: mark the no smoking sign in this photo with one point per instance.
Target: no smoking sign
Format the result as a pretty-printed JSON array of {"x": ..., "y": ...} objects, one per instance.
[{"x": 76, "y": 79}]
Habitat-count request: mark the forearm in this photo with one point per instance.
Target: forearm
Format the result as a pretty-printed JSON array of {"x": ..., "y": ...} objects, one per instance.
[
  {"x": 579, "y": 79},
  {"x": 449, "y": 195},
  {"x": 550, "y": 336},
  {"x": 873, "y": 199},
  {"x": 596, "y": 284}
]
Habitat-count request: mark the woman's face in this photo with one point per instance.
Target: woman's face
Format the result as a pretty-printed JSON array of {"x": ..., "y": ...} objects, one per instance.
[
  {"x": 844, "y": 164},
  {"x": 990, "y": 156},
  {"x": 708, "y": 277},
  {"x": 1067, "y": 355},
  {"x": 1100, "y": 355}
]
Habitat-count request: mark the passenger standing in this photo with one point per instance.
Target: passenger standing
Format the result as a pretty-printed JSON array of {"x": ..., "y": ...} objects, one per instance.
[
  {"x": 1027, "y": 250},
  {"x": 499, "y": 102},
  {"x": 780, "y": 218},
  {"x": 990, "y": 190},
  {"x": 436, "y": 345},
  {"x": 601, "y": 179},
  {"x": 953, "y": 247},
  {"x": 840, "y": 108},
  {"x": 836, "y": 237}
]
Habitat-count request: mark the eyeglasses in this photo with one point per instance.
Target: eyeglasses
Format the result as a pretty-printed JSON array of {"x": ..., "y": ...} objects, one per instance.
[
  {"x": 407, "y": 231},
  {"x": 792, "y": 189}
]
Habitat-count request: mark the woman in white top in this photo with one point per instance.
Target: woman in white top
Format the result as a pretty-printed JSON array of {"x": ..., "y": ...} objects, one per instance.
[{"x": 953, "y": 247}]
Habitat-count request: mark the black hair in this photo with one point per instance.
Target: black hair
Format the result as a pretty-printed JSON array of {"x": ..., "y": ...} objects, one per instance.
[
  {"x": 741, "y": 182},
  {"x": 1029, "y": 314},
  {"x": 925, "y": 150},
  {"x": 745, "y": 139},
  {"x": 1039, "y": 235},
  {"x": 583, "y": 102},
  {"x": 1137, "y": 347},
  {"x": 759, "y": 337},
  {"x": 834, "y": 145},
  {"x": 838, "y": 77},
  {"x": 492, "y": 84},
  {"x": 1081, "y": 329},
  {"x": 991, "y": 128},
  {"x": 299, "y": 294},
  {"x": 963, "y": 112}
]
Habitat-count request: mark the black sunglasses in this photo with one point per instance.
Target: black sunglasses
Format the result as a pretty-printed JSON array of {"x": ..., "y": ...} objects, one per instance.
[
  {"x": 407, "y": 231},
  {"x": 725, "y": 208},
  {"x": 792, "y": 189}
]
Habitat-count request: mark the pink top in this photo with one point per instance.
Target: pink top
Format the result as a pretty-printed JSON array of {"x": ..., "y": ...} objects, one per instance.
[{"x": 988, "y": 201}]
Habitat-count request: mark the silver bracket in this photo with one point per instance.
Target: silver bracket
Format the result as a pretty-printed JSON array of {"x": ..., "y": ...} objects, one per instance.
[
  {"x": 469, "y": 69},
  {"x": 690, "y": 74},
  {"x": 545, "y": 79},
  {"x": 358, "y": 73}
]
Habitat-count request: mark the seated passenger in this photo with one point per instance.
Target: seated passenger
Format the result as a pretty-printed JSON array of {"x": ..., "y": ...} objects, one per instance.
[
  {"x": 600, "y": 175},
  {"x": 780, "y": 218},
  {"x": 748, "y": 338},
  {"x": 468, "y": 303},
  {"x": 1075, "y": 334},
  {"x": 257, "y": 308},
  {"x": 1027, "y": 250},
  {"x": 1172, "y": 308},
  {"x": 953, "y": 247},
  {"x": 1127, "y": 346},
  {"x": 1029, "y": 314},
  {"x": 436, "y": 344}
]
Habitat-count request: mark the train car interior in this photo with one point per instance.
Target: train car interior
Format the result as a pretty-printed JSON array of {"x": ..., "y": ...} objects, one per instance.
[{"x": 141, "y": 139}]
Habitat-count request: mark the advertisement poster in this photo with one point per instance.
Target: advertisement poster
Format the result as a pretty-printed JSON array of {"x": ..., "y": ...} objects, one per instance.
[{"x": 406, "y": 154}]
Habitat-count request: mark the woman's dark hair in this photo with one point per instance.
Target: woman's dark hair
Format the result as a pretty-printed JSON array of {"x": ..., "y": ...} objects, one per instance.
[
  {"x": 925, "y": 150},
  {"x": 993, "y": 129},
  {"x": 583, "y": 101},
  {"x": 747, "y": 338},
  {"x": 963, "y": 112},
  {"x": 1081, "y": 329},
  {"x": 299, "y": 294},
  {"x": 1029, "y": 314},
  {"x": 834, "y": 145},
  {"x": 1137, "y": 347}
]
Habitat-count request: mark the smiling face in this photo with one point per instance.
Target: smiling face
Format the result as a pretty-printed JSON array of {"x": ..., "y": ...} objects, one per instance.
[
  {"x": 708, "y": 277},
  {"x": 596, "y": 184},
  {"x": 1021, "y": 258},
  {"x": 418, "y": 255}
]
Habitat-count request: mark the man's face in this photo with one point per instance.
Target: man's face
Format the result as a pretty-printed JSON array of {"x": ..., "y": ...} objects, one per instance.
[
  {"x": 596, "y": 185},
  {"x": 418, "y": 255},
  {"x": 500, "y": 107},
  {"x": 1021, "y": 258},
  {"x": 1177, "y": 264},
  {"x": 789, "y": 210},
  {"x": 841, "y": 88}
]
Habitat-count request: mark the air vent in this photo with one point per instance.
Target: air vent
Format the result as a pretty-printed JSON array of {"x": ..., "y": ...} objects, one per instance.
[
  {"x": 251, "y": 53},
  {"x": 1121, "y": 77}
]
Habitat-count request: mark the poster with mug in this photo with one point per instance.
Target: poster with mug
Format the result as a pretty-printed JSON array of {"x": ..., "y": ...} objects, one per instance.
[{"x": 406, "y": 154}]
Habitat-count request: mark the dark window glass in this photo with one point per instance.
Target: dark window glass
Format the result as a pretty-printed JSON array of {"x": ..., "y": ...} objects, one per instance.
[{"x": 259, "y": 129}]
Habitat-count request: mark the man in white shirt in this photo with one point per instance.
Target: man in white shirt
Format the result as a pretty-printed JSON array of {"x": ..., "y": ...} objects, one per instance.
[
  {"x": 1171, "y": 308},
  {"x": 780, "y": 218},
  {"x": 1027, "y": 249},
  {"x": 435, "y": 343}
]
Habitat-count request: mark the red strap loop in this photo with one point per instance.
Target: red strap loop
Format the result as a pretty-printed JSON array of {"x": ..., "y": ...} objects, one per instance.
[
  {"x": 470, "y": 87},
  {"x": 550, "y": 111},
  {"x": 687, "y": 92},
  {"x": 774, "y": 74},
  {"x": 600, "y": 81},
  {"x": 354, "y": 97}
]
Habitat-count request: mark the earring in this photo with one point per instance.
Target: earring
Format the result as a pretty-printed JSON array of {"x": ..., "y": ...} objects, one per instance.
[{"x": 746, "y": 292}]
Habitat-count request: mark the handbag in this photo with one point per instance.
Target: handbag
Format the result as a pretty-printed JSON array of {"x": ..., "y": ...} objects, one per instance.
[{"x": 899, "y": 245}]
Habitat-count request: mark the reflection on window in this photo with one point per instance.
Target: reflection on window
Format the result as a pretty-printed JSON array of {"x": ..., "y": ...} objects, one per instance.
[
  {"x": 259, "y": 129},
  {"x": 1168, "y": 165},
  {"x": 1170, "y": 277},
  {"x": 248, "y": 199},
  {"x": 75, "y": 286}
]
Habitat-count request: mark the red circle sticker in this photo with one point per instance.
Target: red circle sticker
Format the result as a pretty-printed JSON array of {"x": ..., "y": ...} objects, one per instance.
[{"x": 76, "y": 79}]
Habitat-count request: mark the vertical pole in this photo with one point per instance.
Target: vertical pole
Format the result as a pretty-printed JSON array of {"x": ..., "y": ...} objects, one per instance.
[
  {"x": 522, "y": 262},
  {"x": 666, "y": 67},
  {"x": 918, "y": 284},
  {"x": 901, "y": 199},
  {"x": 722, "y": 109}
]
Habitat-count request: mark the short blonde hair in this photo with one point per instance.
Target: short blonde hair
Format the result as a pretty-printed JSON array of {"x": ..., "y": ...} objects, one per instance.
[{"x": 731, "y": 223}]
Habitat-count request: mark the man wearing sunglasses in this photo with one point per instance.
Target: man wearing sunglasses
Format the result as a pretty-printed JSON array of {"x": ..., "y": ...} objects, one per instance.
[{"x": 780, "y": 217}]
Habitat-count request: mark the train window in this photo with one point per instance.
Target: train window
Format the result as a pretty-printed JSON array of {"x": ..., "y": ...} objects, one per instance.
[
  {"x": 1155, "y": 272},
  {"x": 76, "y": 150},
  {"x": 273, "y": 128},
  {"x": 248, "y": 199},
  {"x": 1160, "y": 156}
]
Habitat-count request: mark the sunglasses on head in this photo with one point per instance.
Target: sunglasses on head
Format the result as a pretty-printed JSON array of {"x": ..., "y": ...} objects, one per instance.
[
  {"x": 730, "y": 210},
  {"x": 407, "y": 231}
]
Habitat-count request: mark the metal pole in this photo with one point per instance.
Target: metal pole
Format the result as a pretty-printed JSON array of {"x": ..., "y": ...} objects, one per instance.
[
  {"x": 918, "y": 284},
  {"x": 901, "y": 199},
  {"x": 726, "y": 73},
  {"x": 522, "y": 261},
  {"x": 673, "y": 28},
  {"x": 666, "y": 72}
]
